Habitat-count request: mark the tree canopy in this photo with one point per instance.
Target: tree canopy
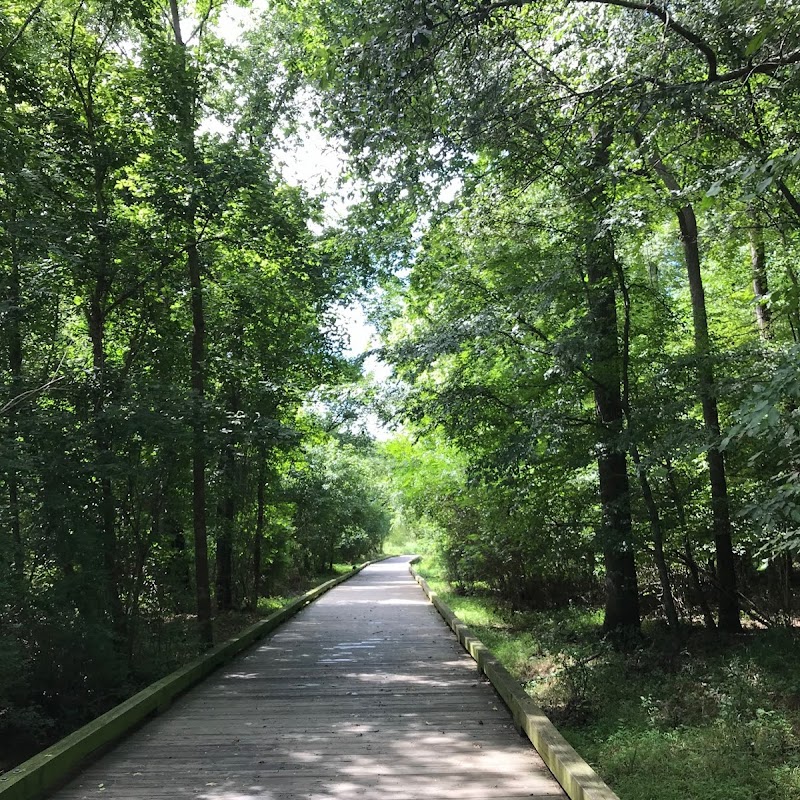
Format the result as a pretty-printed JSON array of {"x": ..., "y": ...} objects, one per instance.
[{"x": 575, "y": 226}]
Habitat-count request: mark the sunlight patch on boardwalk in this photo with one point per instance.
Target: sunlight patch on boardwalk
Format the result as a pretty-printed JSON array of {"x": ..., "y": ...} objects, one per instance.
[{"x": 365, "y": 694}]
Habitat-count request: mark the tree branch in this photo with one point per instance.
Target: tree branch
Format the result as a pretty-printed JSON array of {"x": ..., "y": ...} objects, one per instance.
[
  {"x": 652, "y": 9},
  {"x": 175, "y": 19},
  {"x": 725, "y": 130},
  {"x": 671, "y": 24},
  {"x": 200, "y": 27},
  {"x": 20, "y": 398},
  {"x": 18, "y": 35},
  {"x": 764, "y": 68}
]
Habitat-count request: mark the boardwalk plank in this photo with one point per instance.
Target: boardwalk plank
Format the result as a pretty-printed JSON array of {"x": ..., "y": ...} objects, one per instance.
[{"x": 365, "y": 694}]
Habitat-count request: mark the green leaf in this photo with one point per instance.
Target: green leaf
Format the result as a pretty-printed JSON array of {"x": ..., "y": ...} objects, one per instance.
[
  {"x": 755, "y": 43},
  {"x": 764, "y": 184}
]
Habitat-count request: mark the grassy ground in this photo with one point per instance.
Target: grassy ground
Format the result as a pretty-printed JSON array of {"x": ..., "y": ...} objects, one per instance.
[
  {"x": 287, "y": 591},
  {"x": 702, "y": 717}
]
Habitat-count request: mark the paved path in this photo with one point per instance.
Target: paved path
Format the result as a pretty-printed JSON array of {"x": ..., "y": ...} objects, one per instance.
[{"x": 364, "y": 694}]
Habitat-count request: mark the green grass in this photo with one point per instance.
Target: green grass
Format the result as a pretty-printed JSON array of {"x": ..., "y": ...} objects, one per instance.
[
  {"x": 702, "y": 717},
  {"x": 288, "y": 590}
]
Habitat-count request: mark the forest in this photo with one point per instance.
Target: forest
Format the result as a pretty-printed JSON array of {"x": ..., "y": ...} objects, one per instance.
[{"x": 574, "y": 226}]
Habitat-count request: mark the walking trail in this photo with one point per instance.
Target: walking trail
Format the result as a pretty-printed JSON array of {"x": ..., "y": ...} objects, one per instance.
[{"x": 364, "y": 694}]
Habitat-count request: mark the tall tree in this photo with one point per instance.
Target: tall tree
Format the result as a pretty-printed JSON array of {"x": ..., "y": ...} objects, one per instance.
[
  {"x": 622, "y": 593},
  {"x": 186, "y": 111},
  {"x": 726, "y": 567},
  {"x": 483, "y": 94}
]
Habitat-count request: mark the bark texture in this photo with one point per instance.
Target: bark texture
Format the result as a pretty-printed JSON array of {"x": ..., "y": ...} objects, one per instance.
[{"x": 186, "y": 134}]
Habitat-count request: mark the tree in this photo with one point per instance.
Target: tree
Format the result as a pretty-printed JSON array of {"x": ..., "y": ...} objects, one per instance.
[
  {"x": 413, "y": 65},
  {"x": 430, "y": 91},
  {"x": 129, "y": 228}
]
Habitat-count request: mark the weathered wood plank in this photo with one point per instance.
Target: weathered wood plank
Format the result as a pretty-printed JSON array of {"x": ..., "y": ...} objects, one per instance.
[
  {"x": 364, "y": 694},
  {"x": 579, "y": 780},
  {"x": 37, "y": 776}
]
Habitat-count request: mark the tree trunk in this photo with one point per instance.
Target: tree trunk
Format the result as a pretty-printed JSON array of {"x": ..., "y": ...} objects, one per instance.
[
  {"x": 96, "y": 320},
  {"x": 616, "y": 537},
  {"x": 104, "y": 454},
  {"x": 729, "y": 619},
  {"x": 199, "y": 520},
  {"x": 180, "y": 568},
  {"x": 793, "y": 313},
  {"x": 616, "y": 534},
  {"x": 227, "y": 508},
  {"x": 691, "y": 563},
  {"x": 259, "y": 533},
  {"x": 758, "y": 267},
  {"x": 667, "y": 598},
  {"x": 622, "y": 591},
  {"x": 186, "y": 135},
  {"x": 788, "y": 564},
  {"x": 230, "y": 488},
  {"x": 15, "y": 363}
]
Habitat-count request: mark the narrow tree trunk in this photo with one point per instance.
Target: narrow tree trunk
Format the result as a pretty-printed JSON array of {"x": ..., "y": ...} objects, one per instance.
[
  {"x": 667, "y": 598},
  {"x": 691, "y": 563},
  {"x": 259, "y": 533},
  {"x": 199, "y": 520},
  {"x": 729, "y": 619},
  {"x": 225, "y": 530},
  {"x": 758, "y": 267},
  {"x": 227, "y": 508},
  {"x": 180, "y": 568},
  {"x": 138, "y": 578},
  {"x": 96, "y": 319},
  {"x": 15, "y": 363},
  {"x": 787, "y": 584},
  {"x": 104, "y": 453},
  {"x": 793, "y": 313},
  {"x": 186, "y": 135}
]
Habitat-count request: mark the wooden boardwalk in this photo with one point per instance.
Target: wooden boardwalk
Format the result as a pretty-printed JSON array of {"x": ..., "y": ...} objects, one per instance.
[{"x": 364, "y": 694}]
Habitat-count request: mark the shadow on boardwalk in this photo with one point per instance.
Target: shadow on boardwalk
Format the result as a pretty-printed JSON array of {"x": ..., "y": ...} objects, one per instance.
[{"x": 364, "y": 694}]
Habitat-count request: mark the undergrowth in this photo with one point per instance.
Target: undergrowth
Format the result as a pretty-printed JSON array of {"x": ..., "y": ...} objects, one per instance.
[
  {"x": 700, "y": 717},
  {"x": 163, "y": 645}
]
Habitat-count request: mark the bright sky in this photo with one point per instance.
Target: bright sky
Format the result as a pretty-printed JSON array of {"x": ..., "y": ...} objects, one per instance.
[{"x": 316, "y": 164}]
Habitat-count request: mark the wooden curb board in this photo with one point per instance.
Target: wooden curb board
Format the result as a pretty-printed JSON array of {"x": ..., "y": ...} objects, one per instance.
[
  {"x": 577, "y": 778},
  {"x": 44, "y": 772}
]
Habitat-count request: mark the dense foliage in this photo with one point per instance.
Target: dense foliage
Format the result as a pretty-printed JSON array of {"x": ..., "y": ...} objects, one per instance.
[
  {"x": 585, "y": 216},
  {"x": 165, "y": 310},
  {"x": 604, "y": 318}
]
